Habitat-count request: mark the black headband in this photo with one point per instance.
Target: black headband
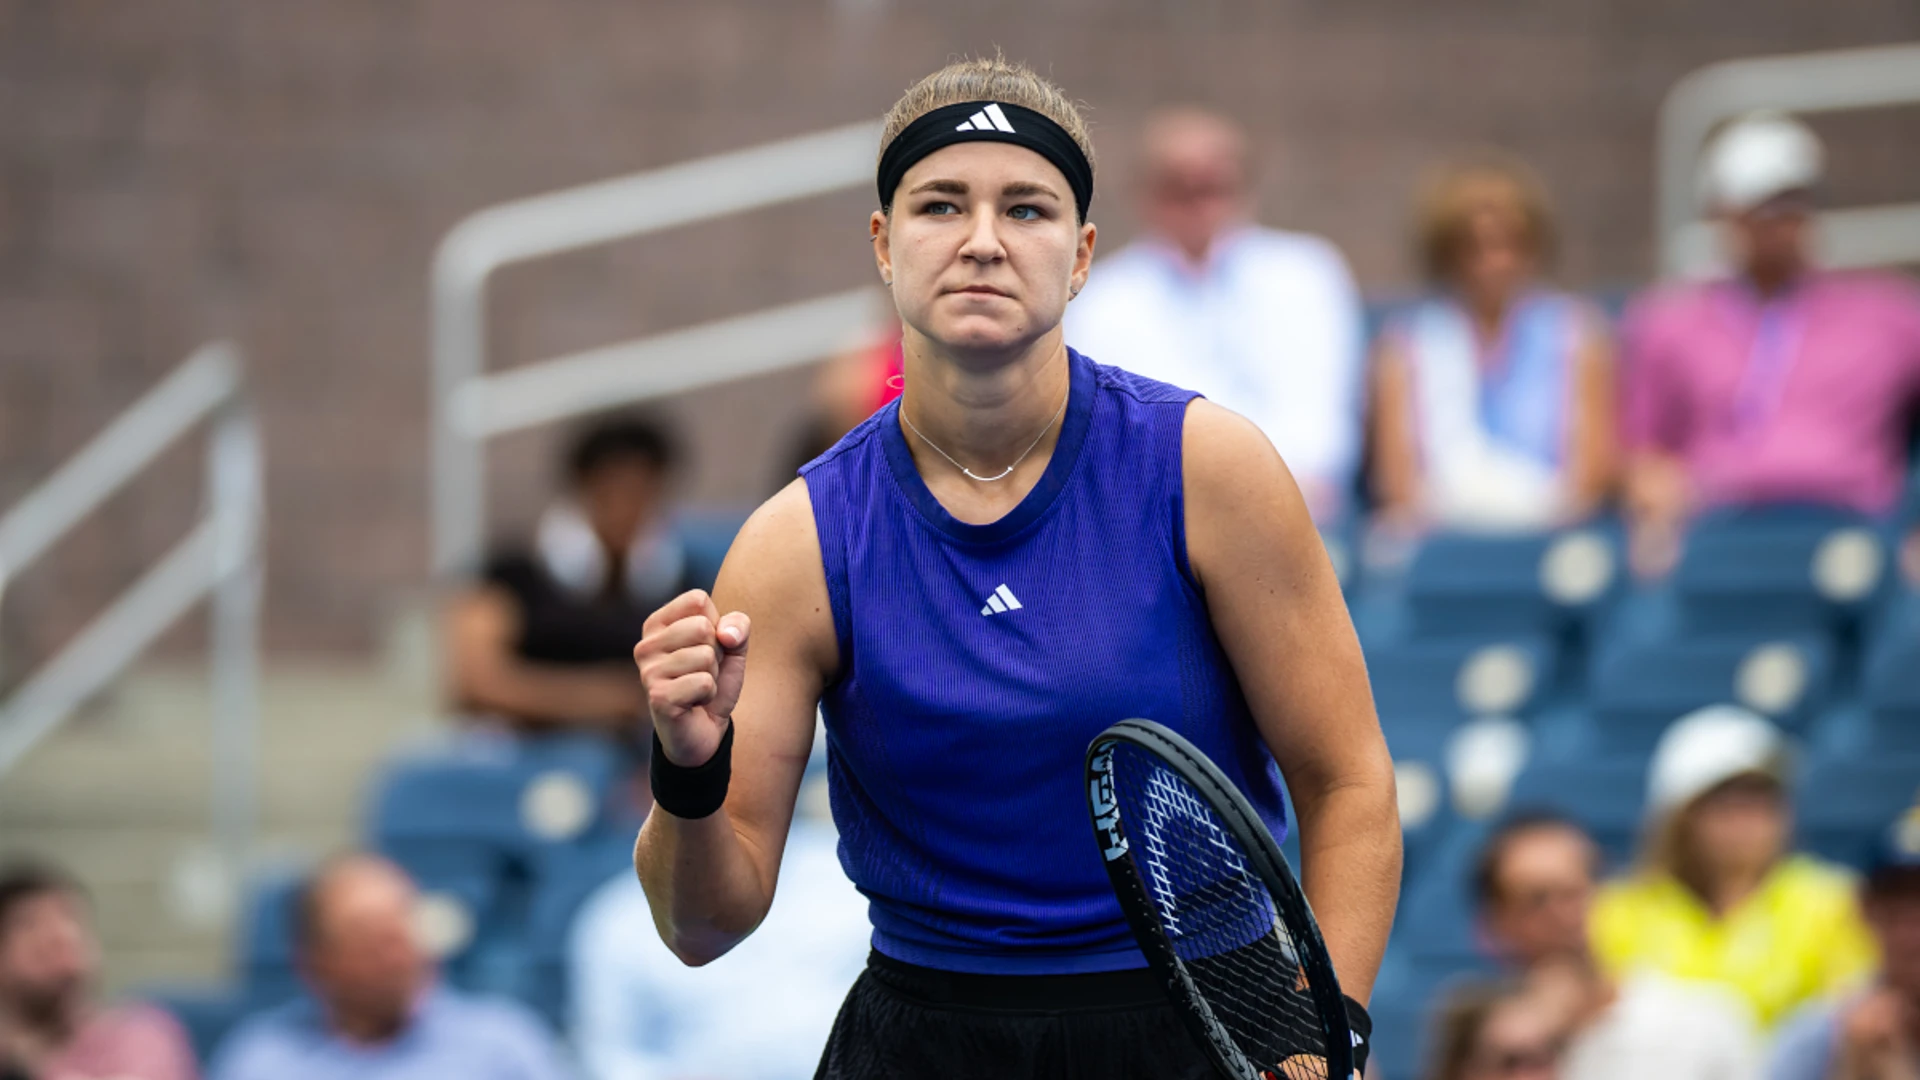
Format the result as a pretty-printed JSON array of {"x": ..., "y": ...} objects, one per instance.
[{"x": 986, "y": 121}]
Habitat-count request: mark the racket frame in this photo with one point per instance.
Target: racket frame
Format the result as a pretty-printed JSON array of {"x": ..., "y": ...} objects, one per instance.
[{"x": 1264, "y": 858}]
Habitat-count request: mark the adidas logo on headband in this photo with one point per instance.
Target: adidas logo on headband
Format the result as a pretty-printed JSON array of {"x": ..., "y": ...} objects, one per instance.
[{"x": 987, "y": 119}]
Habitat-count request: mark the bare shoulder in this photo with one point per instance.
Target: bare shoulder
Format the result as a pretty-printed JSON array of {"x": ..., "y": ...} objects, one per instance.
[
  {"x": 1224, "y": 455},
  {"x": 773, "y": 572},
  {"x": 1243, "y": 509}
]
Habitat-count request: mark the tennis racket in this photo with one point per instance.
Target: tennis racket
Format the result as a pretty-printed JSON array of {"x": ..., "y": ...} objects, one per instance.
[{"x": 1215, "y": 908}]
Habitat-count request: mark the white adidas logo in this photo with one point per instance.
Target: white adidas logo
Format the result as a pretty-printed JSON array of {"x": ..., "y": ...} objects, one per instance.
[
  {"x": 1000, "y": 601},
  {"x": 987, "y": 119}
]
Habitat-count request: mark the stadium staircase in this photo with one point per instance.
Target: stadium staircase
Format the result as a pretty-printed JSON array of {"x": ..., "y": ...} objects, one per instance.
[{"x": 120, "y": 796}]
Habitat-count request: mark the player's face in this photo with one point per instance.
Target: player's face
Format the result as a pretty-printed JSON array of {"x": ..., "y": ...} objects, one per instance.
[
  {"x": 1495, "y": 260},
  {"x": 1893, "y": 910},
  {"x": 1739, "y": 828},
  {"x": 47, "y": 955},
  {"x": 367, "y": 962},
  {"x": 1771, "y": 240},
  {"x": 983, "y": 248},
  {"x": 620, "y": 497},
  {"x": 1545, "y": 892},
  {"x": 1519, "y": 1041}
]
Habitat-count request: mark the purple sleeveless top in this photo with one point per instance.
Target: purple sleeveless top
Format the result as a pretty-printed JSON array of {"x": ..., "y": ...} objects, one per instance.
[{"x": 978, "y": 661}]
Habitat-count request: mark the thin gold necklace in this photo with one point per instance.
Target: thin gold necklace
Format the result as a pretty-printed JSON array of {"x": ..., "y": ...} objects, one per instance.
[{"x": 1004, "y": 473}]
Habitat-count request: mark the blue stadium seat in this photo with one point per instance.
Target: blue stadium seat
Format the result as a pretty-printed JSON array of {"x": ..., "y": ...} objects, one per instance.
[
  {"x": 1844, "y": 803},
  {"x": 1890, "y": 685},
  {"x": 1608, "y": 799},
  {"x": 1778, "y": 570},
  {"x": 267, "y": 949},
  {"x": 1475, "y": 586},
  {"x": 1422, "y": 684},
  {"x": 1639, "y": 687},
  {"x": 1437, "y": 927}
]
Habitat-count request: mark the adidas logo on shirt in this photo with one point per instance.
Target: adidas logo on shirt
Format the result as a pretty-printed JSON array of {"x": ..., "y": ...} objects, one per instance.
[
  {"x": 1000, "y": 601},
  {"x": 987, "y": 119}
]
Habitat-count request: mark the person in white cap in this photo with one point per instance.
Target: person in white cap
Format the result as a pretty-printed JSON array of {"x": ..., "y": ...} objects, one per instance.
[
  {"x": 1778, "y": 384},
  {"x": 1718, "y": 898}
]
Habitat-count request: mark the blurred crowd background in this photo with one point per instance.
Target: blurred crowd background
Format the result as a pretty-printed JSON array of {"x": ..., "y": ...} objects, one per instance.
[{"x": 1625, "y": 514}]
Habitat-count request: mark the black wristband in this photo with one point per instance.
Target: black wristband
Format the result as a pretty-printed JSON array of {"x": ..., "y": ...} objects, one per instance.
[
  {"x": 1361, "y": 1025},
  {"x": 696, "y": 792}
]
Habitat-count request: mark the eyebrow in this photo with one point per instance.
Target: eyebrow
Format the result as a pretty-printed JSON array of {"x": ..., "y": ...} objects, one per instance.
[{"x": 1017, "y": 189}]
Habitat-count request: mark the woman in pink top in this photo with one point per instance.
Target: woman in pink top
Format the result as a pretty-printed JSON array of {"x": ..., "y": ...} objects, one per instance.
[
  {"x": 1780, "y": 384},
  {"x": 51, "y": 1028}
]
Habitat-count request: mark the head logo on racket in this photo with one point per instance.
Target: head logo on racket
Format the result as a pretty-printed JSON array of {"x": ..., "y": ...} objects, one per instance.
[{"x": 1106, "y": 812}]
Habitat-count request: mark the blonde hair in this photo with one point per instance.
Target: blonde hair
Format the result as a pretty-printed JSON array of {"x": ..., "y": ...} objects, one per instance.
[
  {"x": 1492, "y": 180},
  {"x": 984, "y": 78}
]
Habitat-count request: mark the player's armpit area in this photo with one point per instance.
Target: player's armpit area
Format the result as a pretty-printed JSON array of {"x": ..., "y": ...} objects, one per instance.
[{"x": 1275, "y": 605}]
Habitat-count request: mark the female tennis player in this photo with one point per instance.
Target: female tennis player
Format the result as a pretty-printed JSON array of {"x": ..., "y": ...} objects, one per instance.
[{"x": 971, "y": 585}]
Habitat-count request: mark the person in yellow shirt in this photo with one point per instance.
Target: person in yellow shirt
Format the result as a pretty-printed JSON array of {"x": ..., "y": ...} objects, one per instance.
[{"x": 1718, "y": 897}]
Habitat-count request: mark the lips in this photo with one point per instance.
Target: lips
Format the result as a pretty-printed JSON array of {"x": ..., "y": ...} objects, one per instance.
[{"x": 979, "y": 290}]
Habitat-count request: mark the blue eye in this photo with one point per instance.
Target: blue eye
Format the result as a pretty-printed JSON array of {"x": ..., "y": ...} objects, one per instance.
[
  {"x": 1025, "y": 212},
  {"x": 940, "y": 208}
]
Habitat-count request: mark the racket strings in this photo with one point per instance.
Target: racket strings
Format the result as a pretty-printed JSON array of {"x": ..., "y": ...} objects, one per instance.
[{"x": 1219, "y": 918}]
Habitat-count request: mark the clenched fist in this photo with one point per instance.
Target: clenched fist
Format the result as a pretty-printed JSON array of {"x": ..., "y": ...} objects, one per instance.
[{"x": 692, "y": 661}]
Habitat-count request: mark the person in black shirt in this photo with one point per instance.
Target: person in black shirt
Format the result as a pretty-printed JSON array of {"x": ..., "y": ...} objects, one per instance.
[{"x": 543, "y": 640}]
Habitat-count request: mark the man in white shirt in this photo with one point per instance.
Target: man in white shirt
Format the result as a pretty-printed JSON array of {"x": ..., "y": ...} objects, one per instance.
[
  {"x": 1535, "y": 883},
  {"x": 1266, "y": 323},
  {"x": 761, "y": 1012}
]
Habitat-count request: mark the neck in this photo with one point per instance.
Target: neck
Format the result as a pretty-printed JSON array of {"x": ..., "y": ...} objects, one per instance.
[
  {"x": 984, "y": 411},
  {"x": 1771, "y": 281},
  {"x": 1486, "y": 311},
  {"x": 367, "y": 1029},
  {"x": 1724, "y": 895}
]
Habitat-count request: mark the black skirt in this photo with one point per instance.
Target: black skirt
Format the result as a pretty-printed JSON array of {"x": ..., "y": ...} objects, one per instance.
[{"x": 901, "y": 1020}]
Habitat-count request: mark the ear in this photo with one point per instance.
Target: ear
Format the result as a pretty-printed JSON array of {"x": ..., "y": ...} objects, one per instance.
[
  {"x": 1083, "y": 258},
  {"x": 882, "y": 245}
]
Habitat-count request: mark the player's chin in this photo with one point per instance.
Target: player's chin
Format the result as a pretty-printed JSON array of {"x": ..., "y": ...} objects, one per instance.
[{"x": 990, "y": 332}]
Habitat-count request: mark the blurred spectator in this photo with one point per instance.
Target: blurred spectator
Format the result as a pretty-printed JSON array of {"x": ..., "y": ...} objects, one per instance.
[
  {"x": 1876, "y": 1035},
  {"x": 1266, "y": 323},
  {"x": 1493, "y": 400},
  {"x": 1782, "y": 384},
  {"x": 1536, "y": 888},
  {"x": 544, "y": 640},
  {"x": 51, "y": 1027},
  {"x": 376, "y": 1012},
  {"x": 1718, "y": 898},
  {"x": 761, "y": 1012},
  {"x": 1496, "y": 1031},
  {"x": 847, "y": 390}
]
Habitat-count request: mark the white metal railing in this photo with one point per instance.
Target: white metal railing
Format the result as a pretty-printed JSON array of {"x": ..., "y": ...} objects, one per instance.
[
  {"x": 1803, "y": 83},
  {"x": 471, "y": 406},
  {"x": 218, "y": 560}
]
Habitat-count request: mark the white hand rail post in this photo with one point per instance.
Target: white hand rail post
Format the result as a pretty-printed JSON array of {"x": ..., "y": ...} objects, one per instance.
[{"x": 234, "y": 479}]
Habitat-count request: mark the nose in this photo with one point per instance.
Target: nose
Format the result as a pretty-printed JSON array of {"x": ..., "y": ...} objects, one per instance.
[{"x": 983, "y": 239}]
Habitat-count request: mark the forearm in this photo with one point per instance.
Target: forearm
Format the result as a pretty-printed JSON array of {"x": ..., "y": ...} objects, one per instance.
[
  {"x": 706, "y": 892},
  {"x": 548, "y": 694},
  {"x": 1350, "y": 851}
]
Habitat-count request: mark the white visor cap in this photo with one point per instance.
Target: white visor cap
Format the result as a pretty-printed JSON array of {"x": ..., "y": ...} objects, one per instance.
[
  {"x": 1707, "y": 748},
  {"x": 1757, "y": 157}
]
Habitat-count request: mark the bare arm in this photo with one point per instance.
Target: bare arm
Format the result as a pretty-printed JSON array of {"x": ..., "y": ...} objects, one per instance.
[
  {"x": 710, "y": 881},
  {"x": 1395, "y": 458},
  {"x": 1593, "y": 433},
  {"x": 1276, "y": 608},
  {"x": 485, "y": 674}
]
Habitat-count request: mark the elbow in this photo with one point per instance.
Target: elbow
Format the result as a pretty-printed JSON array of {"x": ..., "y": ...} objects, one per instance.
[{"x": 691, "y": 953}]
